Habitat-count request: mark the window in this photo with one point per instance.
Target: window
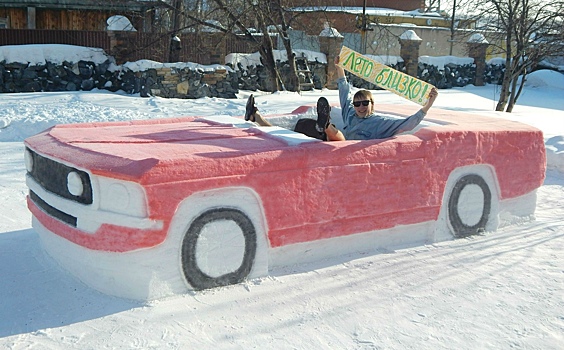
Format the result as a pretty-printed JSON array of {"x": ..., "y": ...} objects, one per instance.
[{"x": 4, "y": 23}]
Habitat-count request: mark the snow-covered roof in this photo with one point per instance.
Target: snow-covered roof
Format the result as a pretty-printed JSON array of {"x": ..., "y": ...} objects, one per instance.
[{"x": 370, "y": 11}]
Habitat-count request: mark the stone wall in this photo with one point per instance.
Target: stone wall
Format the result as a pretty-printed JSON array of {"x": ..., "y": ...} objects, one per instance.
[
  {"x": 254, "y": 77},
  {"x": 184, "y": 82},
  {"x": 170, "y": 82},
  {"x": 174, "y": 82},
  {"x": 452, "y": 75}
]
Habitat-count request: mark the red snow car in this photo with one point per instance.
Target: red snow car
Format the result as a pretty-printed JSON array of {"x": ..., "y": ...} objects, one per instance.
[{"x": 147, "y": 208}]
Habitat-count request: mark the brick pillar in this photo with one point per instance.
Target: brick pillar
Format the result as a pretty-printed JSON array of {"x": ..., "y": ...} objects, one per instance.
[
  {"x": 175, "y": 47},
  {"x": 409, "y": 51},
  {"x": 121, "y": 45},
  {"x": 477, "y": 47},
  {"x": 331, "y": 46}
]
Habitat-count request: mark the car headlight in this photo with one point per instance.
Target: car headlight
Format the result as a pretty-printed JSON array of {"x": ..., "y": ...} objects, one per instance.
[
  {"x": 74, "y": 184},
  {"x": 28, "y": 158},
  {"x": 122, "y": 197}
]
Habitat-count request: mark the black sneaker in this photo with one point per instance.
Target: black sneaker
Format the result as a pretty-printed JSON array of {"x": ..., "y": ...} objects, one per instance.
[
  {"x": 323, "y": 113},
  {"x": 251, "y": 108}
]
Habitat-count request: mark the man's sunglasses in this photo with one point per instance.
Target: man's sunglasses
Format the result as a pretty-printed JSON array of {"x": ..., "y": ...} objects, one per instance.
[{"x": 358, "y": 103}]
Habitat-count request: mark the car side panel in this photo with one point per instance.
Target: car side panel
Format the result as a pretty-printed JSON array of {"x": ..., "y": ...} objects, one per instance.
[{"x": 311, "y": 191}]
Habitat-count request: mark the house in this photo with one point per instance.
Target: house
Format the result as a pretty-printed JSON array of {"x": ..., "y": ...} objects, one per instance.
[
  {"x": 374, "y": 26},
  {"x": 403, "y": 5},
  {"x": 346, "y": 15},
  {"x": 123, "y": 28},
  {"x": 74, "y": 14}
]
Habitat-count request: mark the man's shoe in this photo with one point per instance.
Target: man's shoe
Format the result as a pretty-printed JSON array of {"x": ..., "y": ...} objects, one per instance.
[
  {"x": 251, "y": 109},
  {"x": 323, "y": 113}
]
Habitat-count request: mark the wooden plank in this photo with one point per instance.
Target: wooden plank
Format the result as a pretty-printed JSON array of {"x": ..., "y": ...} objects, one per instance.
[{"x": 17, "y": 17}]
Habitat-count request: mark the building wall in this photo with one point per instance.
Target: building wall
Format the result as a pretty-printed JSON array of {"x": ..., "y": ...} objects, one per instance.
[
  {"x": 384, "y": 39},
  {"x": 17, "y": 18},
  {"x": 56, "y": 19},
  {"x": 314, "y": 23},
  {"x": 434, "y": 41},
  {"x": 71, "y": 20}
]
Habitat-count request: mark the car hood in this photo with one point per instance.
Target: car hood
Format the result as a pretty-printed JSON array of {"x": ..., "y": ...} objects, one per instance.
[{"x": 143, "y": 149}]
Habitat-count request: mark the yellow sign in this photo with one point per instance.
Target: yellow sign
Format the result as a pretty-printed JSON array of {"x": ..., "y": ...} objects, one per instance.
[{"x": 385, "y": 77}]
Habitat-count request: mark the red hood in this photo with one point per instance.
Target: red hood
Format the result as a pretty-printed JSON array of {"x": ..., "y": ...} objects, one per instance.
[{"x": 132, "y": 150}]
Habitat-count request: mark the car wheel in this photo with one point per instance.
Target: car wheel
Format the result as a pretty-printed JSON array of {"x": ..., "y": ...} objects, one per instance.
[
  {"x": 469, "y": 206},
  {"x": 219, "y": 248}
]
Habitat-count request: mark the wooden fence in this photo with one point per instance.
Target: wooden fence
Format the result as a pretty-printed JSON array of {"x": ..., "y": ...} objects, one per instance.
[{"x": 203, "y": 48}]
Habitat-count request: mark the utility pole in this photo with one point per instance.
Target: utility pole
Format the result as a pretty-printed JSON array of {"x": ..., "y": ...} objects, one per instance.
[
  {"x": 363, "y": 29},
  {"x": 452, "y": 27}
]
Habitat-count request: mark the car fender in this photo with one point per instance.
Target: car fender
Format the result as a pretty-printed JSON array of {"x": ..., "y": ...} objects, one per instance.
[
  {"x": 443, "y": 228},
  {"x": 243, "y": 198}
]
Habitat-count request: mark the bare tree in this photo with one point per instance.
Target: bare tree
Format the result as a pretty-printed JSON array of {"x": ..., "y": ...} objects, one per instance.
[
  {"x": 278, "y": 12},
  {"x": 432, "y": 5},
  {"x": 463, "y": 15},
  {"x": 241, "y": 19},
  {"x": 270, "y": 15},
  {"x": 532, "y": 31}
]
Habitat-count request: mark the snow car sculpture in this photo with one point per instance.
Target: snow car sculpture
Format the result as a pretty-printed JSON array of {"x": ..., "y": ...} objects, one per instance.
[{"x": 145, "y": 209}]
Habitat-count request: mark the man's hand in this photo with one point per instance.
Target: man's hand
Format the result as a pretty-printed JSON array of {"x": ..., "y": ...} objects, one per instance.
[
  {"x": 432, "y": 97},
  {"x": 340, "y": 70}
]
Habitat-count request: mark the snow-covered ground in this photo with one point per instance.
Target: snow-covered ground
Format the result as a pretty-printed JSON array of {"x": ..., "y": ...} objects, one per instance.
[{"x": 497, "y": 291}]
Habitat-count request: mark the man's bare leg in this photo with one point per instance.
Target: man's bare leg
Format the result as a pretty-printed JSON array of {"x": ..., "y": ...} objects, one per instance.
[
  {"x": 334, "y": 134},
  {"x": 258, "y": 118}
]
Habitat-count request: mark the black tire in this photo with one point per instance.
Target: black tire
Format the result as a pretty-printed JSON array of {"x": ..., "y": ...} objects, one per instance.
[
  {"x": 460, "y": 229},
  {"x": 193, "y": 273}
]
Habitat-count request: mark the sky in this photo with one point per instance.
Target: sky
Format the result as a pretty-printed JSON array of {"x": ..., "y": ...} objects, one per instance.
[{"x": 499, "y": 290}]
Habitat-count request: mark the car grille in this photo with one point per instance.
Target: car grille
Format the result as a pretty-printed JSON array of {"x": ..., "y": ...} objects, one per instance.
[
  {"x": 52, "y": 176},
  {"x": 64, "y": 217}
]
